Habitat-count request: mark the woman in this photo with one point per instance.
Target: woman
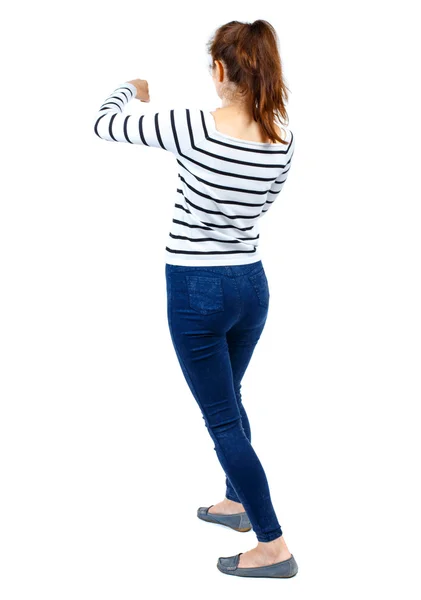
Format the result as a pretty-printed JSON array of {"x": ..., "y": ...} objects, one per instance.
[{"x": 232, "y": 164}]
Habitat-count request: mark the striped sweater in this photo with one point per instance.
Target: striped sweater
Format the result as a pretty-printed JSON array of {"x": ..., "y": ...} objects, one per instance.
[{"x": 225, "y": 184}]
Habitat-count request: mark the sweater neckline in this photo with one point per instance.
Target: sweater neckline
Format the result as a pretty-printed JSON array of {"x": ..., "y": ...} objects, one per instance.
[{"x": 212, "y": 123}]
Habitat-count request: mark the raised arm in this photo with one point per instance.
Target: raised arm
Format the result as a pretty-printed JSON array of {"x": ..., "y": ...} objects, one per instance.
[{"x": 150, "y": 129}]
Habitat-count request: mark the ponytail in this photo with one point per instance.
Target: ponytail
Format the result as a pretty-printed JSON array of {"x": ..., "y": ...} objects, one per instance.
[{"x": 250, "y": 54}]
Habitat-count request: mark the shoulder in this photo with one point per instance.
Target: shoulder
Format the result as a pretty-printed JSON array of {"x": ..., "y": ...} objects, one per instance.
[
  {"x": 290, "y": 137},
  {"x": 188, "y": 118},
  {"x": 181, "y": 114}
]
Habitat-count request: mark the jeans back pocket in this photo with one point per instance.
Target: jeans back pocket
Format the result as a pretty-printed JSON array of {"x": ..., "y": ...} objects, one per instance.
[
  {"x": 260, "y": 284},
  {"x": 206, "y": 294}
]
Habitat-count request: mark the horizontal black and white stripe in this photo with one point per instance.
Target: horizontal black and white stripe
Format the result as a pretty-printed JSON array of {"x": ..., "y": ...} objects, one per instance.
[{"x": 225, "y": 185}]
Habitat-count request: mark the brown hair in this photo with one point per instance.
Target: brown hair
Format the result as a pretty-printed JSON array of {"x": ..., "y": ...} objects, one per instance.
[{"x": 251, "y": 58}]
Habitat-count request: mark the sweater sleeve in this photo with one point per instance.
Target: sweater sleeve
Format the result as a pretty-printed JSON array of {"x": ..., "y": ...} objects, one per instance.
[
  {"x": 278, "y": 184},
  {"x": 150, "y": 129}
]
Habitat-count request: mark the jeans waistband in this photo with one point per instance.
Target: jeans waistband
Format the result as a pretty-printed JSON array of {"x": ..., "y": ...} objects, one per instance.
[{"x": 227, "y": 270}]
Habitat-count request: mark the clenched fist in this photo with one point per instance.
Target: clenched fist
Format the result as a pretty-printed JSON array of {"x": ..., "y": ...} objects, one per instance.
[{"x": 142, "y": 89}]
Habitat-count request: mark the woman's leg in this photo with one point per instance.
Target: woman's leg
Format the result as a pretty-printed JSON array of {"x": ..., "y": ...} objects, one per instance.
[
  {"x": 230, "y": 492},
  {"x": 202, "y": 349},
  {"x": 241, "y": 344}
]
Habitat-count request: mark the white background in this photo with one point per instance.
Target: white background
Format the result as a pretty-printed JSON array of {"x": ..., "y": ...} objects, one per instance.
[{"x": 104, "y": 454}]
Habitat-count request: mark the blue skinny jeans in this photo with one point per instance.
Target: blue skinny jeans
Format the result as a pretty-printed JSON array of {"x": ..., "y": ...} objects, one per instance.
[{"x": 216, "y": 316}]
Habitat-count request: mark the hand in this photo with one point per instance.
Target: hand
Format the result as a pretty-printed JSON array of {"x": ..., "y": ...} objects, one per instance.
[{"x": 142, "y": 89}]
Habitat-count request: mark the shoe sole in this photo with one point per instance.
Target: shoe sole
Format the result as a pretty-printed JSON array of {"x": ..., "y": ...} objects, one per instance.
[
  {"x": 267, "y": 576},
  {"x": 248, "y": 575}
]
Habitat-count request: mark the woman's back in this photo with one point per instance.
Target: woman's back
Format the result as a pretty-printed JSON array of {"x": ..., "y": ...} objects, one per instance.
[{"x": 226, "y": 184}]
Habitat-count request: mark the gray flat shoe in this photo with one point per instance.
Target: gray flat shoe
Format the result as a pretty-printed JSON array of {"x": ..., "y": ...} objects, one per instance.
[
  {"x": 285, "y": 568},
  {"x": 238, "y": 521}
]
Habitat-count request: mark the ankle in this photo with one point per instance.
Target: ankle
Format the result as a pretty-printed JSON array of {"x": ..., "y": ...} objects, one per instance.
[
  {"x": 275, "y": 547},
  {"x": 228, "y": 501}
]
